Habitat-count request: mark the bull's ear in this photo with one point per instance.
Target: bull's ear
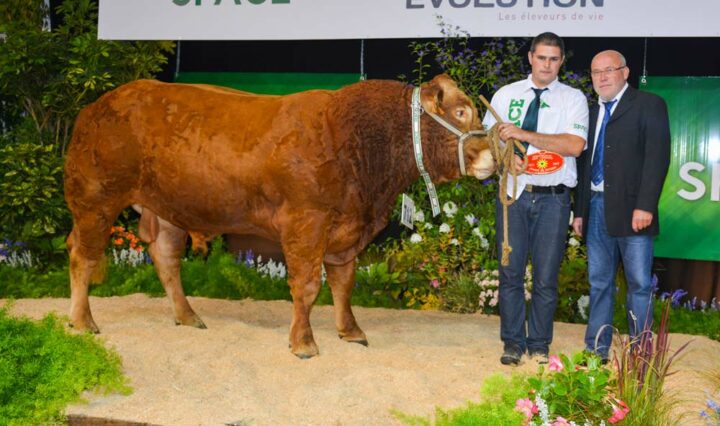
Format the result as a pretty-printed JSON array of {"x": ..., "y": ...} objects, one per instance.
[{"x": 431, "y": 98}]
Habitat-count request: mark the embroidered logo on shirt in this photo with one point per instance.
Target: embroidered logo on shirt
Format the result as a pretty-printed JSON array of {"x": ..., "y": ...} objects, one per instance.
[
  {"x": 543, "y": 104},
  {"x": 515, "y": 111}
]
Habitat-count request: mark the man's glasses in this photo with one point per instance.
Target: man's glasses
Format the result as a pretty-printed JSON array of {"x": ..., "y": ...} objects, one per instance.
[{"x": 598, "y": 73}]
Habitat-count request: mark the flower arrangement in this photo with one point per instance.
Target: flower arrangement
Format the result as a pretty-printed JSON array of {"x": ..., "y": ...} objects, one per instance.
[
  {"x": 16, "y": 255},
  {"x": 575, "y": 390},
  {"x": 126, "y": 248}
]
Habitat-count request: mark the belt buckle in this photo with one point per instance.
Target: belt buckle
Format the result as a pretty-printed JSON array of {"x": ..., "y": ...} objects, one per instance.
[{"x": 529, "y": 188}]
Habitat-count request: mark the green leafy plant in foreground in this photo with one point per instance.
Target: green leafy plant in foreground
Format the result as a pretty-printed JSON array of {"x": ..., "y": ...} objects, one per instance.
[
  {"x": 497, "y": 407},
  {"x": 43, "y": 368}
]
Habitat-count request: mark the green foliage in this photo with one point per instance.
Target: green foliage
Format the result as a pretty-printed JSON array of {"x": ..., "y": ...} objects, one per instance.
[
  {"x": 573, "y": 284},
  {"x": 377, "y": 286},
  {"x": 577, "y": 389},
  {"x": 51, "y": 75},
  {"x": 461, "y": 295},
  {"x": 46, "y": 78},
  {"x": 43, "y": 368},
  {"x": 496, "y": 408},
  {"x": 31, "y": 197}
]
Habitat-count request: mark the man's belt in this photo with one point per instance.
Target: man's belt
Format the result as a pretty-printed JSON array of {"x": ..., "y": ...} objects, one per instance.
[{"x": 557, "y": 189}]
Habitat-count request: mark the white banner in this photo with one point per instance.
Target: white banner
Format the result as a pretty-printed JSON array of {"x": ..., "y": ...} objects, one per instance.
[{"x": 358, "y": 19}]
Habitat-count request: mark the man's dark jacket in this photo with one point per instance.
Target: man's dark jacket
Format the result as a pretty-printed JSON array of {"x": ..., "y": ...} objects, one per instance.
[{"x": 637, "y": 156}]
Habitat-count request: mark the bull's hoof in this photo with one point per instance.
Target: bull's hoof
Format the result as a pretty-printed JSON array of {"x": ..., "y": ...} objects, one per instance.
[
  {"x": 355, "y": 335},
  {"x": 193, "y": 321},
  {"x": 361, "y": 341},
  {"x": 306, "y": 351},
  {"x": 86, "y": 326}
]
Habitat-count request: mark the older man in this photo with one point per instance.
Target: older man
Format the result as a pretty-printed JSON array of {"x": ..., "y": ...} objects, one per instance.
[{"x": 621, "y": 175}]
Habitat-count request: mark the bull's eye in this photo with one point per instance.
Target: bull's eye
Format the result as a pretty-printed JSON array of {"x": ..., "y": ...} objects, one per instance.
[{"x": 459, "y": 113}]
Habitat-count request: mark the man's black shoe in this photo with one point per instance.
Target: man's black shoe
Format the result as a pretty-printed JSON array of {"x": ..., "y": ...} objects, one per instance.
[{"x": 511, "y": 356}]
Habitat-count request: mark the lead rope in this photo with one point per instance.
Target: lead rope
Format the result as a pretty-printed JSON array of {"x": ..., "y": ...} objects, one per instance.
[{"x": 505, "y": 159}]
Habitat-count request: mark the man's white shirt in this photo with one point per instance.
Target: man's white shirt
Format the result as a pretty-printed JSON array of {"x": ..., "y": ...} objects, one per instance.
[{"x": 563, "y": 109}]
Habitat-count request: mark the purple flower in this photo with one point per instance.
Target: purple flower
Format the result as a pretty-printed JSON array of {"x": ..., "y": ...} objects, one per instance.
[
  {"x": 676, "y": 296},
  {"x": 249, "y": 258},
  {"x": 488, "y": 182},
  {"x": 654, "y": 283}
]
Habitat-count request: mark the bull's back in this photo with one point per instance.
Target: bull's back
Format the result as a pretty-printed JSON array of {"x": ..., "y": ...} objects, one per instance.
[{"x": 191, "y": 150}]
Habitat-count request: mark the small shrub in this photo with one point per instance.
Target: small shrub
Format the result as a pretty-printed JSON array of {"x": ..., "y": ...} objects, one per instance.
[
  {"x": 43, "y": 368},
  {"x": 576, "y": 388},
  {"x": 498, "y": 395}
]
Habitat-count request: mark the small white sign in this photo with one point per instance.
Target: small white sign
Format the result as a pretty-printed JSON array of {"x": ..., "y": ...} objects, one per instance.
[{"x": 407, "y": 215}]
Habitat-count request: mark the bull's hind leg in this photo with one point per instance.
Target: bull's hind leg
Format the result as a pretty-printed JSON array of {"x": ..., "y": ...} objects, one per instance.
[
  {"x": 166, "y": 251},
  {"x": 341, "y": 280},
  {"x": 84, "y": 260},
  {"x": 86, "y": 245}
]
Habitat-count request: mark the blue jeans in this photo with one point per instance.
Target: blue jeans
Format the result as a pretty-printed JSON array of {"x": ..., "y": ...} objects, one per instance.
[
  {"x": 604, "y": 252},
  {"x": 538, "y": 227}
]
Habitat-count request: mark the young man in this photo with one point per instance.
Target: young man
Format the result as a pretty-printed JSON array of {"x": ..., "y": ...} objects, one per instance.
[
  {"x": 621, "y": 177},
  {"x": 551, "y": 118}
]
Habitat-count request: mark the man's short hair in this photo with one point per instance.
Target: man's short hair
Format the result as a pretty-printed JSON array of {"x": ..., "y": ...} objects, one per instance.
[{"x": 548, "y": 39}]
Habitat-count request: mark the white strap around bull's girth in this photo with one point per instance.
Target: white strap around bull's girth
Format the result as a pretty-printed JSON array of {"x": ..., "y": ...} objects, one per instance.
[{"x": 417, "y": 146}]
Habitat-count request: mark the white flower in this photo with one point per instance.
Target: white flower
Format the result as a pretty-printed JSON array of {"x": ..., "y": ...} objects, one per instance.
[
  {"x": 573, "y": 242},
  {"x": 415, "y": 238},
  {"x": 444, "y": 228},
  {"x": 484, "y": 244},
  {"x": 455, "y": 242},
  {"x": 582, "y": 304},
  {"x": 419, "y": 216},
  {"x": 476, "y": 231},
  {"x": 450, "y": 209},
  {"x": 428, "y": 225},
  {"x": 470, "y": 219},
  {"x": 572, "y": 217}
]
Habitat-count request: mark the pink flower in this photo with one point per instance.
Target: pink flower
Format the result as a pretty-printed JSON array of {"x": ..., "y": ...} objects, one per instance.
[
  {"x": 435, "y": 283},
  {"x": 619, "y": 411},
  {"x": 560, "y": 421},
  {"x": 555, "y": 364},
  {"x": 527, "y": 407}
]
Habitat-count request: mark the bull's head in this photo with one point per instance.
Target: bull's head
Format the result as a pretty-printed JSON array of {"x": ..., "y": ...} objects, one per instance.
[{"x": 442, "y": 98}]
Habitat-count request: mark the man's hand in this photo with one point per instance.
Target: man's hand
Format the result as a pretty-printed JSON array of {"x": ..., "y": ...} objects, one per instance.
[
  {"x": 577, "y": 226},
  {"x": 509, "y": 131},
  {"x": 519, "y": 165},
  {"x": 641, "y": 220}
]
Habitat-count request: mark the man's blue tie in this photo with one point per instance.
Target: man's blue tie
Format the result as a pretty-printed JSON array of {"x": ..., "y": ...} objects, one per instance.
[
  {"x": 531, "y": 117},
  {"x": 599, "y": 157}
]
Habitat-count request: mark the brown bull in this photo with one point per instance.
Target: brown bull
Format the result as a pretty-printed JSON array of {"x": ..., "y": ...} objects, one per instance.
[{"x": 317, "y": 171}]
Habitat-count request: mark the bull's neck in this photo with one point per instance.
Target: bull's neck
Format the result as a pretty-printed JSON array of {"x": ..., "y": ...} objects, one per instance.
[{"x": 395, "y": 163}]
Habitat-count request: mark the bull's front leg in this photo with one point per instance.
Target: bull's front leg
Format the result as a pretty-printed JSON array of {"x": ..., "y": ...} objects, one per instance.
[
  {"x": 342, "y": 279},
  {"x": 304, "y": 273},
  {"x": 303, "y": 241}
]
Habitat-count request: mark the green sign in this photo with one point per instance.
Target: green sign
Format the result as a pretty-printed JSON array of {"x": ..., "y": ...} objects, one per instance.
[
  {"x": 690, "y": 201},
  {"x": 271, "y": 83}
]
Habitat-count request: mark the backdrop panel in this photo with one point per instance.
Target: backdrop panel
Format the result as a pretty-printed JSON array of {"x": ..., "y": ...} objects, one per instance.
[
  {"x": 359, "y": 19},
  {"x": 690, "y": 201},
  {"x": 270, "y": 83}
]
